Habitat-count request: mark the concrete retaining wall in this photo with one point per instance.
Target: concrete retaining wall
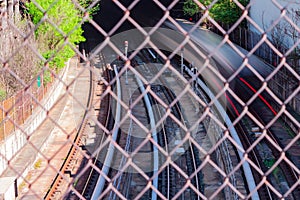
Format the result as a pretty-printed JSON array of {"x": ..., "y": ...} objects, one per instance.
[{"x": 17, "y": 139}]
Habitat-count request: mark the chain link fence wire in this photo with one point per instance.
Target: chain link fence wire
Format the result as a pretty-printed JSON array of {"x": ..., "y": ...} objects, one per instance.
[{"x": 153, "y": 103}]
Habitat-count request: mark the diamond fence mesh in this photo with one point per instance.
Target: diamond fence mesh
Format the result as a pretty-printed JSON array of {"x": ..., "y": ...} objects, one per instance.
[{"x": 159, "y": 99}]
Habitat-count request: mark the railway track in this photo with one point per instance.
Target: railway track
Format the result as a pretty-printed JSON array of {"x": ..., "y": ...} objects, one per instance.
[
  {"x": 170, "y": 181},
  {"x": 260, "y": 155},
  {"x": 224, "y": 150},
  {"x": 264, "y": 192},
  {"x": 62, "y": 178},
  {"x": 275, "y": 187},
  {"x": 282, "y": 137},
  {"x": 268, "y": 191},
  {"x": 104, "y": 117},
  {"x": 283, "y": 177},
  {"x": 189, "y": 156},
  {"x": 99, "y": 106},
  {"x": 125, "y": 179},
  {"x": 166, "y": 187},
  {"x": 96, "y": 184},
  {"x": 288, "y": 172}
]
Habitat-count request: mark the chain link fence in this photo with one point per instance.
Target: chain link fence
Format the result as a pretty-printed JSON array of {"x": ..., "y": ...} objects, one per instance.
[{"x": 151, "y": 103}]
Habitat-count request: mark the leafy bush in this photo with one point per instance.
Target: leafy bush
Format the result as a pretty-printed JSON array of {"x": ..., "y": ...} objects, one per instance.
[
  {"x": 58, "y": 29},
  {"x": 225, "y": 11}
]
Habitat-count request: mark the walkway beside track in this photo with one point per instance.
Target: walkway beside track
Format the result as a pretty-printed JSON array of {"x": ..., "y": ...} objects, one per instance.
[{"x": 49, "y": 141}]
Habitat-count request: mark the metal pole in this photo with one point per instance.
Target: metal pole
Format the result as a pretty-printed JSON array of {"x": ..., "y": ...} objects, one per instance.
[
  {"x": 181, "y": 61},
  {"x": 126, "y": 51}
]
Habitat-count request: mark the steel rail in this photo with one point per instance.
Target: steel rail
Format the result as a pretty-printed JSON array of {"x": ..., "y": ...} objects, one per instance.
[
  {"x": 109, "y": 156},
  {"x": 170, "y": 94},
  {"x": 256, "y": 160},
  {"x": 224, "y": 150},
  {"x": 159, "y": 113},
  {"x": 246, "y": 167},
  {"x": 106, "y": 124},
  {"x": 118, "y": 180},
  {"x": 286, "y": 169},
  {"x": 154, "y": 135},
  {"x": 167, "y": 150},
  {"x": 185, "y": 123}
]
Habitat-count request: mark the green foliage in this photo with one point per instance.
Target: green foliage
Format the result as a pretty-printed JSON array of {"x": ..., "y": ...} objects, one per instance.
[
  {"x": 63, "y": 24},
  {"x": 86, "y": 3},
  {"x": 47, "y": 77},
  {"x": 2, "y": 94},
  {"x": 190, "y": 8},
  {"x": 225, "y": 11},
  {"x": 269, "y": 163}
]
